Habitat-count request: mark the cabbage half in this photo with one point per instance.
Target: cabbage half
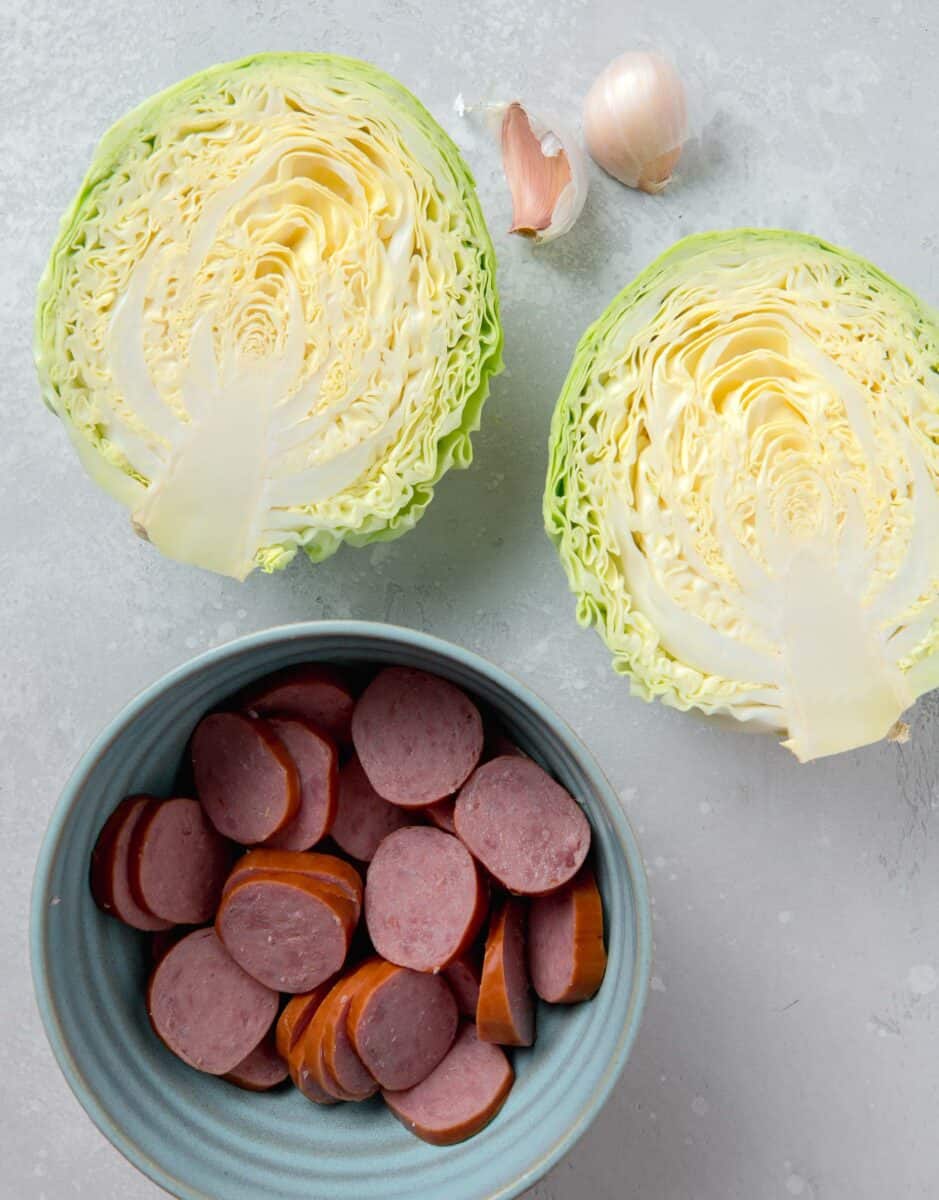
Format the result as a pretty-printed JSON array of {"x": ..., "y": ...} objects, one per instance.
[
  {"x": 743, "y": 487},
  {"x": 270, "y": 317}
]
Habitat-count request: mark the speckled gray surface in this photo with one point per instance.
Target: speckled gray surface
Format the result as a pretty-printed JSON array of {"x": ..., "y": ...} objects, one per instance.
[{"x": 789, "y": 1046}]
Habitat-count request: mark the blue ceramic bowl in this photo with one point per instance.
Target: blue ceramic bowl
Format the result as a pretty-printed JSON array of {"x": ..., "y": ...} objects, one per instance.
[{"x": 202, "y": 1139}]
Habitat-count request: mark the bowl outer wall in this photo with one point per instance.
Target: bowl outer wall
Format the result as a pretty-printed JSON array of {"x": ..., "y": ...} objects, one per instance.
[{"x": 203, "y": 1140}]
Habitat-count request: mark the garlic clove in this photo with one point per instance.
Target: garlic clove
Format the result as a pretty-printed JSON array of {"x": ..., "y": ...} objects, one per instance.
[
  {"x": 546, "y": 172},
  {"x": 635, "y": 120},
  {"x": 535, "y": 176}
]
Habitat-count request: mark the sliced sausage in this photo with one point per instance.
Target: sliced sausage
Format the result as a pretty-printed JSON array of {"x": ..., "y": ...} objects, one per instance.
[
  {"x": 290, "y": 932},
  {"x": 418, "y": 737},
  {"x": 505, "y": 1013},
  {"x": 460, "y": 1097},
  {"x": 441, "y": 814},
  {"x": 339, "y": 1054},
  {"x": 463, "y": 976},
  {"x": 314, "y": 692},
  {"x": 314, "y": 756},
  {"x": 205, "y": 1008},
  {"x": 304, "y": 1080},
  {"x": 401, "y": 1024},
  {"x": 245, "y": 779},
  {"x": 363, "y": 818},
  {"x": 177, "y": 863},
  {"x": 312, "y": 1054},
  {"x": 298, "y": 1013},
  {"x": 328, "y": 1053},
  {"x": 565, "y": 942},
  {"x": 110, "y": 882},
  {"x": 523, "y": 826},
  {"x": 424, "y": 899},
  {"x": 325, "y": 867},
  {"x": 261, "y": 1070},
  {"x": 292, "y": 1025}
]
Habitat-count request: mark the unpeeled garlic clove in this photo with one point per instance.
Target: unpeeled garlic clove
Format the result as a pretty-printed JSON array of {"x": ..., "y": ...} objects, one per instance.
[
  {"x": 635, "y": 120},
  {"x": 546, "y": 171}
]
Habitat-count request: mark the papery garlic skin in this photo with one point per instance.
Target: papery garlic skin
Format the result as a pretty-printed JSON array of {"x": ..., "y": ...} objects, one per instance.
[{"x": 636, "y": 120}]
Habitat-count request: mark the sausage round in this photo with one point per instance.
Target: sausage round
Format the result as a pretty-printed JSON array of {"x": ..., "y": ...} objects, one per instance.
[
  {"x": 441, "y": 814},
  {"x": 314, "y": 756},
  {"x": 110, "y": 881},
  {"x": 314, "y": 692},
  {"x": 325, "y": 867},
  {"x": 177, "y": 863},
  {"x": 505, "y": 1013},
  {"x": 298, "y": 1013},
  {"x": 424, "y": 899},
  {"x": 363, "y": 818},
  {"x": 261, "y": 1070},
  {"x": 339, "y": 1054},
  {"x": 329, "y": 1054},
  {"x": 418, "y": 737},
  {"x": 565, "y": 942},
  {"x": 463, "y": 976},
  {"x": 205, "y": 1008},
  {"x": 460, "y": 1097},
  {"x": 304, "y": 1080},
  {"x": 245, "y": 779},
  {"x": 523, "y": 827},
  {"x": 289, "y": 932},
  {"x": 401, "y": 1023}
]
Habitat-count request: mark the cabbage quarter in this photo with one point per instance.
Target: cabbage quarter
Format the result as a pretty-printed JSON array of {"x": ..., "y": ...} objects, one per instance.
[
  {"x": 270, "y": 317},
  {"x": 743, "y": 487}
]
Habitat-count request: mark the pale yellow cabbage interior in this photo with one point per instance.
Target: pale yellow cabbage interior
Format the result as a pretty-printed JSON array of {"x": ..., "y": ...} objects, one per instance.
[
  {"x": 748, "y": 461},
  {"x": 271, "y": 316}
]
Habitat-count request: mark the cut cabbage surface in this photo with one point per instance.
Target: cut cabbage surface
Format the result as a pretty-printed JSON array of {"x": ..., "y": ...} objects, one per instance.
[
  {"x": 270, "y": 318},
  {"x": 743, "y": 487}
]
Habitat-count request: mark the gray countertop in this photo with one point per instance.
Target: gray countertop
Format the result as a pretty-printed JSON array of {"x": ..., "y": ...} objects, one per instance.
[{"x": 789, "y": 1044}]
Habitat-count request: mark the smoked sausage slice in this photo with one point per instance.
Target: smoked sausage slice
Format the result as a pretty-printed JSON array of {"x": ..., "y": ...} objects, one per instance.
[
  {"x": 298, "y": 1013},
  {"x": 325, "y": 867},
  {"x": 110, "y": 881},
  {"x": 261, "y": 1070},
  {"x": 177, "y": 863},
  {"x": 522, "y": 825},
  {"x": 314, "y": 756},
  {"x": 424, "y": 899},
  {"x": 244, "y": 777},
  {"x": 565, "y": 942},
  {"x": 505, "y": 1013},
  {"x": 401, "y": 1023},
  {"x": 290, "y": 932},
  {"x": 339, "y": 1054},
  {"x": 314, "y": 692},
  {"x": 205, "y": 1008},
  {"x": 463, "y": 976},
  {"x": 363, "y": 818},
  {"x": 460, "y": 1096},
  {"x": 417, "y": 736}
]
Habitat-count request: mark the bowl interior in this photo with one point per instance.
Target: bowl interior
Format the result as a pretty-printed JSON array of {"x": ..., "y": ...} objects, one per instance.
[{"x": 199, "y": 1137}]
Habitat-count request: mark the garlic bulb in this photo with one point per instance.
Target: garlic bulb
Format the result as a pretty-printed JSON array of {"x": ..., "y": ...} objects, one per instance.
[
  {"x": 546, "y": 172},
  {"x": 635, "y": 120}
]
